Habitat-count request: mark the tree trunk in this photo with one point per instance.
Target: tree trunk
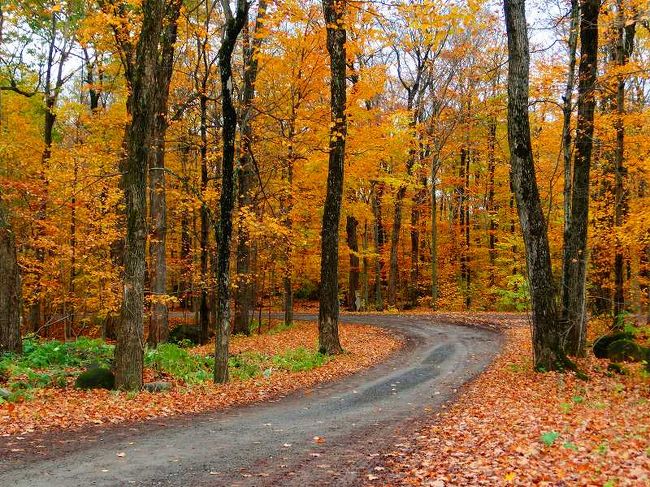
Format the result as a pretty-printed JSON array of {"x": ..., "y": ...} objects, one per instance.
[
  {"x": 159, "y": 324},
  {"x": 394, "y": 242},
  {"x": 575, "y": 247},
  {"x": 624, "y": 48},
  {"x": 244, "y": 290},
  {"x": 434, "y": 236},
  {"x": 491, "y": 207},
  {"x": 233, "y": 27},
  {"x": 378, "y": 234},
  {"x": 144, "y": 92},
  {"x": 204, "y": 235},
  {"x": 10, "y": 287},
  {"x": 547, "y": 346},
  {"x": 328, "y": 312},
  {"x": 351, "y": 226},
  {"x": 567, "y": 109}
]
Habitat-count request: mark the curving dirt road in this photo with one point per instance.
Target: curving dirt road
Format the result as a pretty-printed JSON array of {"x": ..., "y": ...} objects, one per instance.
[{"x": 327, "y": 436}]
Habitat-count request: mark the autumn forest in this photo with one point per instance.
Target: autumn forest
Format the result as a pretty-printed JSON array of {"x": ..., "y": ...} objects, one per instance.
[{"x": 197, "y": 171}]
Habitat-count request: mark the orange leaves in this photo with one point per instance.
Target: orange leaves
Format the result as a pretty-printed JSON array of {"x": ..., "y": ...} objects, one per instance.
[{"x": 595, "y": 431}]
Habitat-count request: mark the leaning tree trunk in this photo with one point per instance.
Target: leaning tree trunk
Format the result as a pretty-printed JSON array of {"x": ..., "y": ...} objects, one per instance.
[
  {"x": 10, "y": 287},
  {"x": 378, "y": 239},
  {"x": 547, "y": 346},
  {"x": 575, "y": 246},
  {"x": 328, "y": 312},
  {"x": 233, "y": 27},
  {"x": 143, "y": 100}
]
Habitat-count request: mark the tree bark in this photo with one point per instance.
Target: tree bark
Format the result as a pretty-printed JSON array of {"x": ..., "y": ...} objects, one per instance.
[
  {"x": 328, "y": 312},
  {"x": 233, "y": 27},
  {"x": 244, "y": 290},
  {"x": 144, "y": 89},
  {"x": 547, "y": 346},
  {"x": 575, "y": 246}
]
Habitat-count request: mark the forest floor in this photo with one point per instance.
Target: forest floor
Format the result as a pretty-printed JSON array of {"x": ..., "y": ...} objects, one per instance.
[
  {"x": 268, "y": 366},
  {"x": 515, "y": 426}
]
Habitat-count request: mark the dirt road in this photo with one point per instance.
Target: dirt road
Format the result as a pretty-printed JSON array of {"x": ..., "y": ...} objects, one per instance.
[{"x": 330, "y": 435}]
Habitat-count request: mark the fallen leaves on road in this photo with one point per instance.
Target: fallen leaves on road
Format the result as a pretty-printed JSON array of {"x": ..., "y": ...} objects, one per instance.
[
  {"x": 514, "y": 426},
  {"x": 71, "y": 408}
]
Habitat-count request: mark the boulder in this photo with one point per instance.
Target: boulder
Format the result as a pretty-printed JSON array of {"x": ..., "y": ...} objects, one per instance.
[
  {"x": 600, "y": 345},
  {"x": 96, "y": 378},
  {"x": 4, "y": 393},
  {"x": 624, "y": 350},
  {"x": 159, "y": 386},
  {"x": 188, "y": 333}
]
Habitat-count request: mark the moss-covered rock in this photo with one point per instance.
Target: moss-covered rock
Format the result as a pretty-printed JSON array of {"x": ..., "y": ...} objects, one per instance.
[
  {"x": 600, "y": 345},
  {"x": 187, "y": 333},
  {"x": 96, "y": 378},
  {"x": 616, "y": 368},
  {"x": 624, "y": 350}
]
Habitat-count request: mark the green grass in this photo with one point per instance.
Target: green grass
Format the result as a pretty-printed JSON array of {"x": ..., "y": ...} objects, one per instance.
[
  {"x": 50, "y": 363},
  {"x": 300, "y": 359}
]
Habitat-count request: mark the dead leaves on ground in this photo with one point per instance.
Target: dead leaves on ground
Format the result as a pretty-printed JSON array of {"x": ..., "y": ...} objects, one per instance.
[
  {"x": 71, "y": 408},
  {"x": 514, "y": 426}
]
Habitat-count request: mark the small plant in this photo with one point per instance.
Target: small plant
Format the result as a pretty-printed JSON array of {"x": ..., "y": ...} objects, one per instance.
[
  {"x": 549, "y": 437},
  {"x": 246, "y": 365},
  {"x": 570, "y": 446},
  {"x": 300, "y": 359},
  {"x": 179, "y": 363}
]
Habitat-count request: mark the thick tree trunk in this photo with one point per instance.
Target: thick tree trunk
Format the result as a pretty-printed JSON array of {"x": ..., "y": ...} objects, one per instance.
[
  {"x": 547, "y": 346},
  {"x": 328, "y": 313},
  {"x": 144, "y": 92},
  {"x": 575, "y": 247},
  {"x": 351, "y": 226},
  {"x": 10, "y": 287},
  {"x": 244, "y": 290},
  {"x": 233, "y": 27}
]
